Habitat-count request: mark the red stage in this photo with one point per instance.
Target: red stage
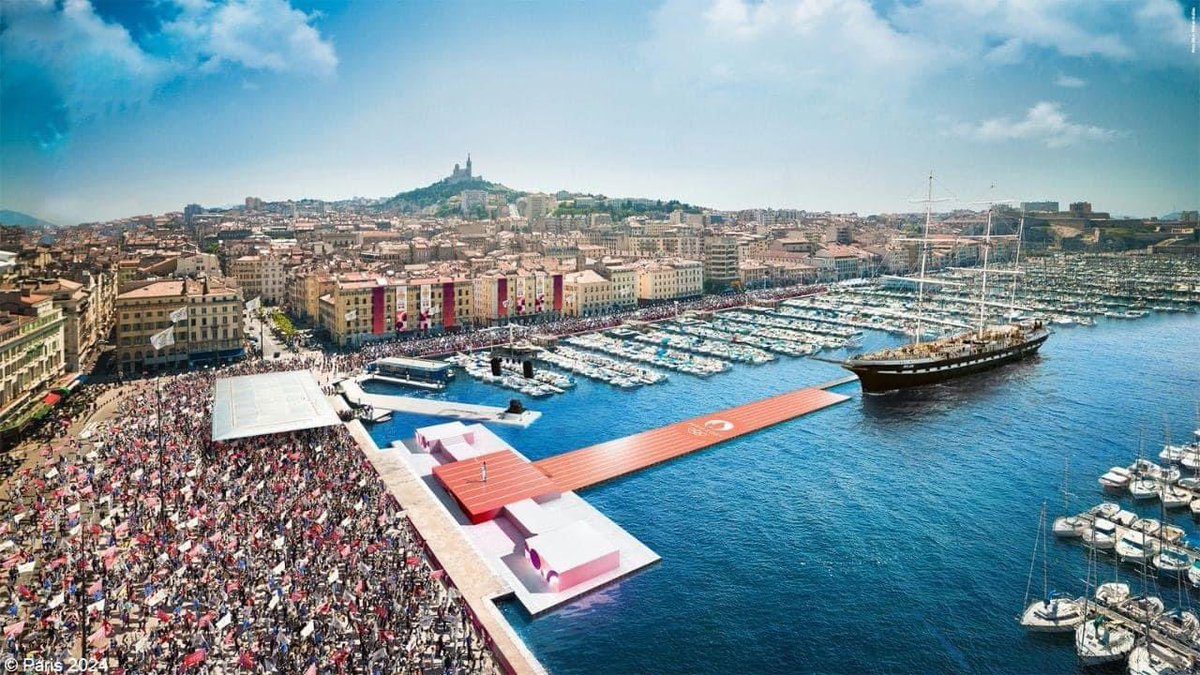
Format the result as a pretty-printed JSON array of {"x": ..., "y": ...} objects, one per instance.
[
  {"x": 587, "y": 467},
  {"x": 509, "y": 479}
]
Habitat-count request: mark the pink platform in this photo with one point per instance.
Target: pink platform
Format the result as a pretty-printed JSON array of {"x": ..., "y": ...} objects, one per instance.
[{"x": 571, "y": 555}]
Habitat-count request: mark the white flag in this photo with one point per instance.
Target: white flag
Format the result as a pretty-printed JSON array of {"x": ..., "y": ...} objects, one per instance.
[
  {"x": 164, "y": 339},
  {"x": 254, "y": 304},
  {"x": 352, "y": 315},
  {"x": 179, "y": 315}
]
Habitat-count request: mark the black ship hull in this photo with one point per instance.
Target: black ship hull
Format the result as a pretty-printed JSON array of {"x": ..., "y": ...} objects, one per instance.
[{"x": 877, "y": 378}]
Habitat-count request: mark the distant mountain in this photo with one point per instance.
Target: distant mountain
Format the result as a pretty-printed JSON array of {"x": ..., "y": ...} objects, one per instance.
[
  {"x": 441, "y": 191},
  {"x": 18, "y": 219}
]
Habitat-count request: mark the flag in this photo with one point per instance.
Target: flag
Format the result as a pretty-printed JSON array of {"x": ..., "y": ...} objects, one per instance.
[
  {"x": 179, "y": 315},
  {"x": 14, "y": 629},
  {"x": 352, "y": 315},
  {"x": 195, "y": 658},
  {"x": 164, "y": 339},
  {"x": 254, "y": 304}
]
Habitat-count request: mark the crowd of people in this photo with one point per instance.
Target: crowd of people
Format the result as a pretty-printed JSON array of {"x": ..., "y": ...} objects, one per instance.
[{"x": 172, "y": 553}]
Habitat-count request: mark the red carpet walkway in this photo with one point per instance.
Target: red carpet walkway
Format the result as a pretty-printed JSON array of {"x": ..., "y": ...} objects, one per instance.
[{"x": 589, "y": 466}]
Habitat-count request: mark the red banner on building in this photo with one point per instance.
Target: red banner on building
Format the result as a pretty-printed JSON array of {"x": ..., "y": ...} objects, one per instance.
[
  {"x": 502, "y": 297},
  {"x": 448, "y": 304},
  {"x": 558, "y": 292},
  {"x": 378, "y": 310}
]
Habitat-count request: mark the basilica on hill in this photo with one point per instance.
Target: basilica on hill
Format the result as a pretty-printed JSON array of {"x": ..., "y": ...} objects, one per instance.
[{"x": 460, "y": 175}]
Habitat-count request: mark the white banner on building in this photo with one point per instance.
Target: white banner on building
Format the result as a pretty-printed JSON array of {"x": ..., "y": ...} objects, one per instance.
[
  {"x": 401, "y": 308},
  {"x": 426, "y": 301},
  {"x": 179, "y": 315},
  {"x": 166, "y": 338},
  {"x": 520, "y": 295},
  {"x": 352, "y": 315},
  {"x": 254, "y": 304},
  {"x": 539, "y": 298}
]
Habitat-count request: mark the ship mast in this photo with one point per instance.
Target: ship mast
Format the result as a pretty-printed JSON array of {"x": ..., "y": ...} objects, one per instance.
[
  {"x": 1012, "y": 300},
  {"x": 987, "y": 247},
  {"x": 924, "y": 254}
]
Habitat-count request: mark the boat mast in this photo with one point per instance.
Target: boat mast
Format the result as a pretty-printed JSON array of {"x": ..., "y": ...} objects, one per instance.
[
  {"x": 1012, "y": 300},
  {"x": 987, "y": 247},
  {"x": 924, "y": 255}
]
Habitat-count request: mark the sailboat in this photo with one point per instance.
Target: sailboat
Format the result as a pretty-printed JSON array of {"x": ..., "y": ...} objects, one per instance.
[
  {"x": 922, "y": 363},
  {"x": 1067, "y": 526},
  {"x": 1099, "y": 640},
  {"x": 1054, "y": 613}
]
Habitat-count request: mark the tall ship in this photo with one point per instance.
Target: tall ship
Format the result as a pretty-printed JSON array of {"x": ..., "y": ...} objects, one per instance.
[{"x": 985, "y": 347}]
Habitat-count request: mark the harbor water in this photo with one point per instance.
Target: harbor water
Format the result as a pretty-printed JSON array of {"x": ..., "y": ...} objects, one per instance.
[{"x": 886, "y": 534}]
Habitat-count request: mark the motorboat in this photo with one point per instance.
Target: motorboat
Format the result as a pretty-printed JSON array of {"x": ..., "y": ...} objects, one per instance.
[
  {"x": 1144, "y": 467},
  {"x": 1105, "y": 510},
  {"x": 1101, "y": 641},
  {"x": 1112, "y": 593},
  {"x": 1147, "y": 526},
  {"x": 1102, "y": 534},
  {"x": 1116, "y": 480},
  {"x": 1054, "y": 614},
  {"x": 1135, "y": 547},
  {"x": 1124, "y": 518},
  {"x": 1190, "y": 483},
  {"x": 1173, "y": 497},
  {"x": 1195, "y": 506},
  {"x": 1156, "y": 658},
  {"x": 1172, "y": 560},
  {"x": 1068, "y": 527},
  {"x": 1193, "y": 574},
  {"x": 1143, "y": 488}
]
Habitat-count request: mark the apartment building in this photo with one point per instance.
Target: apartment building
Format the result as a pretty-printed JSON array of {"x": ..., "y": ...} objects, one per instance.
[
  {"x": 212, "y": 332},
  {"x": 85, "y": 316},
  {"x": 721, "y": 257},
  {"x": 260, "y": 276},
  {"x": 31, "y": 352},
  {"x": 669, "y": 279},
  {"x": 359, "y": 311}
]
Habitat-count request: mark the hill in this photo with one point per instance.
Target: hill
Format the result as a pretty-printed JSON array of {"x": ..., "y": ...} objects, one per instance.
[
  {"x": 18, "y": 219},
  {"x": 441, "y": 191}
]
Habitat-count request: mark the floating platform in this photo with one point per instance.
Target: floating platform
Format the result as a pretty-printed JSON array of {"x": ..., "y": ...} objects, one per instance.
[
  {"x": 612, "y": 459},
  {"x": 466, "y": 412},
  {"x": 510, "y": 479}
]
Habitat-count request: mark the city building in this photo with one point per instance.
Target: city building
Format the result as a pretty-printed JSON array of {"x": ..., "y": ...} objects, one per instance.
[
  {"x": 721, "y": 257},
  {"x": 360, "y": 311},
  {"x": 473, "y": 202},
  {"x": 31, "y": 353},
  {"x": 260, "y": 276},
  {"x": 85, "y": 321},
  {"x": 1039, "y": 207},
  {"x": 210, "y": 334},
  {"x": 587, "y": 294},
  {"x": 669, "y": 279}
]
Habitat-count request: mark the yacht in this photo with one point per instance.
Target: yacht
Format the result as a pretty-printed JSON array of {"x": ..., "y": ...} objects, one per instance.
[
  {"x": 1136, "y": 547},
  {"x": 1172, "y": 560},
  {"x": 1056, "y": 614},
  {"x": 1144, "y": 467},
  {"x": 1142, "y": 608},
  {"x": 1143, "y": 488},
  {"x": 1101, "y": 641},
  {"x": 1116, "y": 480},
  {"x": 1105, "y": 510},
  {"x": 1173, "y": 497},
  {"x": 1102, "y": 534},
  {"x": 1069, "y": 527},
  {"x": 1179, "y": 624},
  {"x": 1156, "y": 658},
  {"x": 1112, "y": 593}
]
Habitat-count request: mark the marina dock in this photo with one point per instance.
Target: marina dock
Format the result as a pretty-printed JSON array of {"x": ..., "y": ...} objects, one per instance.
[
  {"x": 612, "y": 459},
  {"x": 466, "y": 412}
]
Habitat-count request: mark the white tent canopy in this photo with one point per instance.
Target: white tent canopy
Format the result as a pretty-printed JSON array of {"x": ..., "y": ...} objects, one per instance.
[{"x": 271, "y": 403}]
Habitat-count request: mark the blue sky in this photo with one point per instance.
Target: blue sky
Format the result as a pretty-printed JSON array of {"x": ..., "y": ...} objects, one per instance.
[{"x": 117, "y": 107}]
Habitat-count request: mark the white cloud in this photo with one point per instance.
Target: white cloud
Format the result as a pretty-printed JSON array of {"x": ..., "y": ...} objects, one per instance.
[
  {"x": 827, "y": 46},
  {"x": 1070, "y": 82},
  {"x": 97, "y": 68},
  {"x": 1044, "y": 123},
  {"x": 254, "y": 34},
  {"x": 850, "y": 48},
  {"x": 1146, "y": 32}
]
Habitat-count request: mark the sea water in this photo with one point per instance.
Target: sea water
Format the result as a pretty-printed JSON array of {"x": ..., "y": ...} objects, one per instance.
[{"x": 886, "y": 534}]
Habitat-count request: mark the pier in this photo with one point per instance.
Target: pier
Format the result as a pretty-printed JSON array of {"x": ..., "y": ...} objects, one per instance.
[
  {"x": 612, "y": 459},
  {"x": 466, "y": 412}
]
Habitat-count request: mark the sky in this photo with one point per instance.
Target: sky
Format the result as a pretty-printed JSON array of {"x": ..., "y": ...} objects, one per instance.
[{"x": 113, "y": 108}]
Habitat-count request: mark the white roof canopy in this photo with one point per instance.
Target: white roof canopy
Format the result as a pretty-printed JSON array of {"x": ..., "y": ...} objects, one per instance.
[{"x": 271, "y": 403}]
